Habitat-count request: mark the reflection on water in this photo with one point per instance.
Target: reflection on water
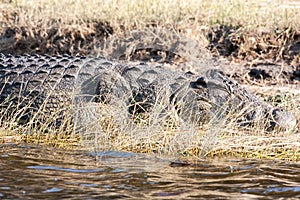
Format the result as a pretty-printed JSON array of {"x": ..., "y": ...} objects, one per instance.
[{"x": 33, "y": 172}]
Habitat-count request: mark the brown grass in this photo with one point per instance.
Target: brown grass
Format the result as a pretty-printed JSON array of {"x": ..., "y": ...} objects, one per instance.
[
  {"x": 114, "y": 132},
  {"x": 249, "y": 30},
  {"x": 250, "y": 14}
]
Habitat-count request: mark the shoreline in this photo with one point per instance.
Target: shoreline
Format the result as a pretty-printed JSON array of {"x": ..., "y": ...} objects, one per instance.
[{"x": 264, "y": 60}]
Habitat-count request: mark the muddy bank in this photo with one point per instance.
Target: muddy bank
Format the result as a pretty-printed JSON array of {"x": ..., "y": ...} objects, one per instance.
[
  {"x": 264, "y": 54},
  {"x": 55, "y": 39},
  {"x": 251, "y": 57}
]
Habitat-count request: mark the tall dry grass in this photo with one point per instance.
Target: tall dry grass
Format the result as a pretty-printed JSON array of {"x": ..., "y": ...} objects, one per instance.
[{"x": 251, "y": 14}]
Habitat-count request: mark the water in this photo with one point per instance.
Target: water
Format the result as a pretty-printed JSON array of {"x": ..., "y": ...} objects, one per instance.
[{"x": 34, "y": 172}]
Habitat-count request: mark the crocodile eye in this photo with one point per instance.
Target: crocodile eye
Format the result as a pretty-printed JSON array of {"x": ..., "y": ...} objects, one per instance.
[{"x": 199, "y": 83}]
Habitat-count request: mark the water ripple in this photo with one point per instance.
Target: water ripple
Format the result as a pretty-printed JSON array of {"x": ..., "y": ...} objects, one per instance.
[
  {"x": 41, "y": 167},
  {"x": 33, "y": 172}
]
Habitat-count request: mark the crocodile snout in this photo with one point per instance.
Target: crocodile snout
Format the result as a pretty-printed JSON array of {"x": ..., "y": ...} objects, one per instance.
[{"x": 283, "y": 119}]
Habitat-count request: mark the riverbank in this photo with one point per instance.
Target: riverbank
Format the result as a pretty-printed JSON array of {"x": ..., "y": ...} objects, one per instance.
[{"x": 257, "y": 43}]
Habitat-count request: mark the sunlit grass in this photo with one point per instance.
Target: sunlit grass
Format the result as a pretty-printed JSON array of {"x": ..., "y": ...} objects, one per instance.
[
  {"x": 113, "y": 130},
  {"x": 250, "y": 14}
]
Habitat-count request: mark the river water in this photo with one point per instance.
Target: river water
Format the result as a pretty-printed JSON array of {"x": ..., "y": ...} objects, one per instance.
[{"x": 36, "y": 172}]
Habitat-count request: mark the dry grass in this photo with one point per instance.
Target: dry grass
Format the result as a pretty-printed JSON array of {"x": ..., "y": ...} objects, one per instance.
[
  {"x": 73, "y": 26},
  {"x": 252, "y": 14},
  {"x": 284, "y": 146},
  {"x": 189, "y": 17},
  {"x": 221, "y": 137},
  {"x": 113, "y": 129}
]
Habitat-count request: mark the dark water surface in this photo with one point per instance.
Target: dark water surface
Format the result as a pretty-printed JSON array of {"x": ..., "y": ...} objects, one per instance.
[{"x": 33, "y": 172}]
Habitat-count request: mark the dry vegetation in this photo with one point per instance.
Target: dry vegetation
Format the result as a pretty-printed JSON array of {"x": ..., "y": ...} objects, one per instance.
[{"x": 246, "y": 33}]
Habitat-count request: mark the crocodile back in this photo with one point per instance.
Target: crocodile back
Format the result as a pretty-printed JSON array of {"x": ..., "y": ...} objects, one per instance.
[
  {"x": 42, "y": 83},
  {"x": 53, "y": 87}
]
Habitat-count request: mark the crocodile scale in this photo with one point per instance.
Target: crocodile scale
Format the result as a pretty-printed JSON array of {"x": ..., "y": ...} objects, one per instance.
[{"x": 51, "y": 84}]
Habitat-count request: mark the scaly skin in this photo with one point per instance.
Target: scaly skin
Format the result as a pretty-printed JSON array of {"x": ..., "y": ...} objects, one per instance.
[{"x": 51, "y": 84}]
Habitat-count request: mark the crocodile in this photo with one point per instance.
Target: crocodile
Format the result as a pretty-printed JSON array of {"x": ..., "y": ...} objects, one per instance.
[{"x": 50, "y": 85}]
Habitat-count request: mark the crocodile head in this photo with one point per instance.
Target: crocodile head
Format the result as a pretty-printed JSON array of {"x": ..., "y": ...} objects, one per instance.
[
  {"x": 282, "y": 119},
  {"x": 229, "y": 100}
]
